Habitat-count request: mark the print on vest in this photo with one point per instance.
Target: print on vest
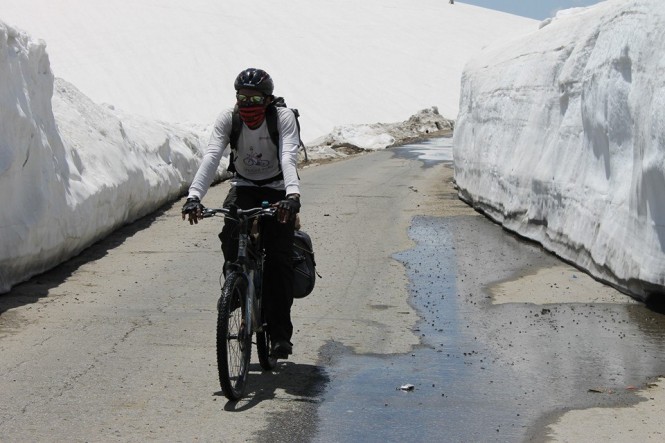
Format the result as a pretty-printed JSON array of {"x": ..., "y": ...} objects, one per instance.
[{"x": 254, "y": 159}]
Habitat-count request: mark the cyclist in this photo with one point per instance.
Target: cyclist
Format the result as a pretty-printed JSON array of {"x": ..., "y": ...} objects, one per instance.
[{"x": 274, "y": 179}]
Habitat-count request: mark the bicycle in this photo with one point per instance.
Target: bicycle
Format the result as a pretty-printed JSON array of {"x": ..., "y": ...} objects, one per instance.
[{"x": 240, "y": 312}]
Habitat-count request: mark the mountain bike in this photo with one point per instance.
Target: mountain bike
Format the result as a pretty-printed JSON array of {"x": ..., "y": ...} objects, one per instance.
[{"x": 240, "y": 311}]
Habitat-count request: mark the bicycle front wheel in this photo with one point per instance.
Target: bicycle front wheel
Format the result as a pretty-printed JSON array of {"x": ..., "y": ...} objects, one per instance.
[{"x": 234, "y": 339}]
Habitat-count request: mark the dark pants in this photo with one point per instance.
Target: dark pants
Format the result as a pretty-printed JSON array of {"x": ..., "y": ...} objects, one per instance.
[{"x": 278, "y": 269}]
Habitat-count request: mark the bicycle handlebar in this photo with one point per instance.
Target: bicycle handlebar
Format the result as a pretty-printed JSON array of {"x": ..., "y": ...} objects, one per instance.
[{"x": 239, "y": 213}]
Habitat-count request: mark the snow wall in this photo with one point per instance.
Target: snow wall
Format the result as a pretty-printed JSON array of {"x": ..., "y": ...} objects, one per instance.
[
  {"x": 561, "y": 139},
  {"x": 71, "y": 171}
]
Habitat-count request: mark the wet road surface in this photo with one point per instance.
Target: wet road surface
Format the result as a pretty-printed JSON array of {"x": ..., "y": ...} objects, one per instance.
[
  {"x": 118, "y": 343},
  {"x": 485, "y": 371}
]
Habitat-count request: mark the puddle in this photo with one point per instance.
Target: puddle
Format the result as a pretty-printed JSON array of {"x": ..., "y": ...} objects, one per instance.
[
  {"x": 432, "y": 151},
  {"x": 511, "y": 337},
  {"x": 488, "y": 372}
]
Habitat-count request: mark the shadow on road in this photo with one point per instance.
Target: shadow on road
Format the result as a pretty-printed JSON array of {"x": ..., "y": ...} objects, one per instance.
[
  {"x": 39, "y": 286},
  {"x": 303, "y": 382},
  {"x": 288, "y": 382}
]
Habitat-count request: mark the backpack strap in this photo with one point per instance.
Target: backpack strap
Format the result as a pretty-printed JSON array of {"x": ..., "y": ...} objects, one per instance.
[
  {"x": 236, "y": 127},
  {"x": 271, "y": 121},
  {"x": 304, "y": 148}
]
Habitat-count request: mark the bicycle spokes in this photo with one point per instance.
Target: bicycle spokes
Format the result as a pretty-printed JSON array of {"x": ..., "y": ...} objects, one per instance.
[{"x": 233, "y": 338}]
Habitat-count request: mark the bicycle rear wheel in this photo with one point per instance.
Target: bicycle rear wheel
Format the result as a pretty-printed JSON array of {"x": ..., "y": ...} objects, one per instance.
[
  {"x": 263, "y": 345},
  {"x": 234, "y": 340}
]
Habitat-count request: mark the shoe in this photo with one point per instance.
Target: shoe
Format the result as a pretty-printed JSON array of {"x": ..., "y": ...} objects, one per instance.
[{"x": 281, "y": 349}]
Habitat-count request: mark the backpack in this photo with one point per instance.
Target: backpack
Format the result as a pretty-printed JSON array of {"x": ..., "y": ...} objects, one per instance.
[
  {"x": 304, "y": 265},
  {"x": 271, "y": 121}
]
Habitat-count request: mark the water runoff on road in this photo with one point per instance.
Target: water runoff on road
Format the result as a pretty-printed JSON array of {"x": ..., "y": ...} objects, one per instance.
[{"x": 485, "y": 371}]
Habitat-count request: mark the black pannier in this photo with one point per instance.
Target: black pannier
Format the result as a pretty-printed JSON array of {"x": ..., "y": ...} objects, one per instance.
[{"x": 304, "y": 266}]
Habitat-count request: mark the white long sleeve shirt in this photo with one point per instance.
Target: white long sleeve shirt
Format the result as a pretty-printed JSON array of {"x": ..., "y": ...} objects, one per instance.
[{"x": 257, "y": 158}]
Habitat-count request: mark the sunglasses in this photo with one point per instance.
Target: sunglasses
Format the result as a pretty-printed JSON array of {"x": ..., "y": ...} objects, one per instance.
[{"x": 253, "y": 99}]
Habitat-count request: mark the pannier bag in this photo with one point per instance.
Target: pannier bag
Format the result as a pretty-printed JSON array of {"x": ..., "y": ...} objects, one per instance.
[{"x": 304, "y": 266}]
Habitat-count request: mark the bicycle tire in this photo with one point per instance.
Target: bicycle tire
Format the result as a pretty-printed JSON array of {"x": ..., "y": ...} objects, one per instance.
[
  {"x": 263, "y": 345},
  {"x": 234, "y": 344}
]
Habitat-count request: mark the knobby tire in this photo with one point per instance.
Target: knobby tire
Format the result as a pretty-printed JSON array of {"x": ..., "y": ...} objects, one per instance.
[
  {"x": 263, "y": 346},
  {"x": 234, "y": 344}
]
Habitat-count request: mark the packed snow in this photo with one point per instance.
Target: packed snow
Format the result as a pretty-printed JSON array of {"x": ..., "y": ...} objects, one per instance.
[
  {"x": 561, "y": 138},
  {"x": 559, "y": 134},
  {"x": 72, "y": 169},
  {"x": 338, "y": 61}
]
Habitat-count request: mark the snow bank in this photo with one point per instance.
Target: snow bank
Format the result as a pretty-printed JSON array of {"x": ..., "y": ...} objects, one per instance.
[
  {"x": 561, "y": 138},
  {"x": 337, "y": 62},
  {"x": 71, "y": 171},
  {"x": 355, "y": 138}
]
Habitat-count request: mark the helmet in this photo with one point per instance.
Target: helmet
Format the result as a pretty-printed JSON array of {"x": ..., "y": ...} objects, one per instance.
[{"x": 256, "y": 79}]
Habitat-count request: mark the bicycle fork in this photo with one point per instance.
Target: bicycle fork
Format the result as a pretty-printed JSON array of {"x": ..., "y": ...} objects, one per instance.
[{"x": 251, "y": 301}]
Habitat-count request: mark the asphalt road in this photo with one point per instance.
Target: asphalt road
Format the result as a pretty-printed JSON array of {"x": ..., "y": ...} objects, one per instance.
[{"x": 119, "y": 343}]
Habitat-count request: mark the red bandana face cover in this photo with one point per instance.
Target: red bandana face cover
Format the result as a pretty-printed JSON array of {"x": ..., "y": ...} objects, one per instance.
[{"x": 252, "y": 115}]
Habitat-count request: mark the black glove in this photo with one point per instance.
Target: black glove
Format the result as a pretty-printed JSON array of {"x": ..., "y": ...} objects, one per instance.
[
  {"x": 287, "y": 209},
  {"x": 193, "y": 204},
  {"x": 193, "y": 208},
  {"x": 290, "y": 204}
]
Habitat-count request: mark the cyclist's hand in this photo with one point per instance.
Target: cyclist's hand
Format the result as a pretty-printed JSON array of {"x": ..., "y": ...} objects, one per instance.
[
  {"x": 287, "y": 209},
  {"x": 194, "y": 209}
]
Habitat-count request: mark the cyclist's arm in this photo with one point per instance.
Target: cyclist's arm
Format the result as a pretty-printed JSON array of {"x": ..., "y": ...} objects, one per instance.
[
  {"x": 289, "y": 144},
  {"x": 219, "y": 139}
]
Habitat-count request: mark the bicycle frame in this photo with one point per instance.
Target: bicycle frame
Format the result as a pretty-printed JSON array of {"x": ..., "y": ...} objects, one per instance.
[
  {"x": 242, "y": 289},
  {"x": 250, "y": 254}
]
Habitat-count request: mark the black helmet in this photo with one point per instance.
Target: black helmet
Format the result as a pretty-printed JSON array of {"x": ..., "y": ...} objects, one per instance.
[{"x": 256, "y": 79}]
